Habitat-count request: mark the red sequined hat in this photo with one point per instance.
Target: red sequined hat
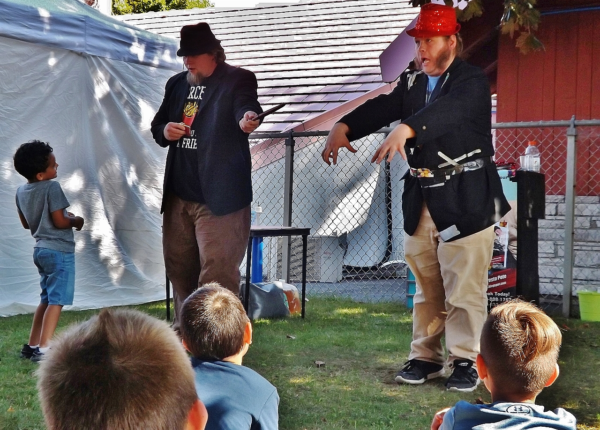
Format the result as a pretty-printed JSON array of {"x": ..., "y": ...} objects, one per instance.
[{"x": 435, "y": 20}]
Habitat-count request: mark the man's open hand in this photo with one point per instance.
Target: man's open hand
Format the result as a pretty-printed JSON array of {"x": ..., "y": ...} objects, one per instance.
[
  {"x": 336, "y": 139},
  {"x": 393, "y": 143}
]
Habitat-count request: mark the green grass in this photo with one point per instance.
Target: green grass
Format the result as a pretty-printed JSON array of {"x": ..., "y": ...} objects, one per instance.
[{"x": 362, "y": 346}]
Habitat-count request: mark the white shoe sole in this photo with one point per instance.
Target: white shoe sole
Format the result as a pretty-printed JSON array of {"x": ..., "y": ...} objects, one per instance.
[
  {"x": 400, "y": 380},
  {"x": 464, "y": 390}
]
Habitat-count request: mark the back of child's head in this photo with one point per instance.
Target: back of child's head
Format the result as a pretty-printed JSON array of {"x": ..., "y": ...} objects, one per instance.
[
  {"x": 31, "y": 158},
  {"x": 520, "y": 345},
  {"x": 213, "y": 322},
  {"x": 120, "y": 369}
]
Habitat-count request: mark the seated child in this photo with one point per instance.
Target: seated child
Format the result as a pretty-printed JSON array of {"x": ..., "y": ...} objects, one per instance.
[
  {"x": 519, "y": 353},
  {"x": 121, "y": 369},
  {"x": 217, "y": 332},
  {"x": 42, "y": 205}
]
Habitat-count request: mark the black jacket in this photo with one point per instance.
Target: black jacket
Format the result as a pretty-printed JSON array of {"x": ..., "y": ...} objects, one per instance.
[
  {"x": 224, "y": 164},
  {"x": 455, "y": 122}
]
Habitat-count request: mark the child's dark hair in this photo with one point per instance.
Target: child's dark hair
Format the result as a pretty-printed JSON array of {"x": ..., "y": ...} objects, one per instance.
[
  {"x": 213, "y": 322},
  {"x": 519, "y": 345},
  {"x": 32, "y": 158}
]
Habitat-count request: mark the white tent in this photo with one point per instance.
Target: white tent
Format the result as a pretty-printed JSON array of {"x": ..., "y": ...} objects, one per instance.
[{"x": 89, "y": 85}]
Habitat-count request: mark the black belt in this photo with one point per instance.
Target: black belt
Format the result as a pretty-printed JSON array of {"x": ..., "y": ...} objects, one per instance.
[{"x": 436, "y": 178}]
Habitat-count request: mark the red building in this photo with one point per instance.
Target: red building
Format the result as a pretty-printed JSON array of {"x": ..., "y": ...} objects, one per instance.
[{"x": 552, "y": 85}]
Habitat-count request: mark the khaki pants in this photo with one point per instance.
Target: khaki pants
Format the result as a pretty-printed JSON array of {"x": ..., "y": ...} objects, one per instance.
[
  {"x": 200, "y": 247},
  {"x": 451, "y": 292}
]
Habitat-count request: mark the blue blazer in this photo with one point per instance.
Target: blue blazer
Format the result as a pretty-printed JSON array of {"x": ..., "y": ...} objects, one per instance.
[{"x": 224, "y": 163}]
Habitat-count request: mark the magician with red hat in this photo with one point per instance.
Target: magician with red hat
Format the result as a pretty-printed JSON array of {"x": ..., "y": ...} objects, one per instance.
[
  {"x": 204, "y": 120},
  {"x": 452, "y": 193}
]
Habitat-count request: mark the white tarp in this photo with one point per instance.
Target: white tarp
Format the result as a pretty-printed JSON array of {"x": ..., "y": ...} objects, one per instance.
[{"x": 89, "y": 85}]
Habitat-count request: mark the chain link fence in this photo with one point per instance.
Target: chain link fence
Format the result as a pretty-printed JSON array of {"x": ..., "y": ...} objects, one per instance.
[
  {"x": 552, "y": 137},
  {"x": 355, "y": 249},
  {"x": 353, "y": 209}
]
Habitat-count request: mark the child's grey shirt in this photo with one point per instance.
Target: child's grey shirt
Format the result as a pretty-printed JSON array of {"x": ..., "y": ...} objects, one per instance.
[{"x": 37, "y": 201}]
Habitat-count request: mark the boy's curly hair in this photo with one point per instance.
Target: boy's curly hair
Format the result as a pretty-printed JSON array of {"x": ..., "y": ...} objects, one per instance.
[
  {"x": 520, "y": 345},
  {"x": 32, "y": 158}
]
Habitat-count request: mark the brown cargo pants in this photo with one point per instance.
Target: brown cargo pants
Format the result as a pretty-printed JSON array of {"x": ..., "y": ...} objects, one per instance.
[{"x": 201, "y": 247}]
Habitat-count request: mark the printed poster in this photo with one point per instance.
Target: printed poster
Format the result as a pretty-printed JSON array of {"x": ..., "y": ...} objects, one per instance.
[{"x": 502, "y": 272}]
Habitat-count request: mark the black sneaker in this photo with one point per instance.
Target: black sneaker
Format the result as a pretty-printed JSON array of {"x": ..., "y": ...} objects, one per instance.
[
  {"x": 464, "y": 378},
  {"x": 27, "y": 351},
  {"x": 37, "y": 355},
  {"x": 418, "y": 371}
]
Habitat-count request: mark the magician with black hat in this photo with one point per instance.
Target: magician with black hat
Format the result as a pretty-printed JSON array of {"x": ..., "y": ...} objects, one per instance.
[
  {"x": 204, "y": 119},
  {"x": 452, "y": 193}
]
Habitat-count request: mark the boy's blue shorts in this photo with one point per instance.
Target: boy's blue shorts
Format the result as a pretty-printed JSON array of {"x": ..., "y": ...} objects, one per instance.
[{"x": 57, "y": 275}]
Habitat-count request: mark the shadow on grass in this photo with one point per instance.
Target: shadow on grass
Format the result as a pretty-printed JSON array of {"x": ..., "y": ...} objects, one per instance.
[
  {"x": 361, "y": 345},
  {"x": 577, "y": 389}
]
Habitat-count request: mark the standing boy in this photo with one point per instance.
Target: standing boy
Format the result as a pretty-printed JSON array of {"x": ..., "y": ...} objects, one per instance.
[{"x": 42, "y": 205}]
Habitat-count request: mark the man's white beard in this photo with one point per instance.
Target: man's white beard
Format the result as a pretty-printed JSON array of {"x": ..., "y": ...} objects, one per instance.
[{"x": 194, "y": 78}]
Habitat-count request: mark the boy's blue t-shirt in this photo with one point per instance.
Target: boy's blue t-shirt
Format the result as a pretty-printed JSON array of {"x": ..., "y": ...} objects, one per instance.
[
  {"x": 236, "y": 397},
  {"x": 37, "y": 201},
  {"x": 501, "y": 415}
]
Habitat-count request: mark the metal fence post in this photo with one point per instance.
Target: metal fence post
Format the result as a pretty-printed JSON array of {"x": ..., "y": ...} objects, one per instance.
[
  {"x": 287, "y": 204},
  {"x": 569, "y": 217}
]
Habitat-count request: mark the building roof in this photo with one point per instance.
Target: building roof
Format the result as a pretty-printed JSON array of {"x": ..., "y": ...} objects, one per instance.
[{"x": 315, "y": 55}]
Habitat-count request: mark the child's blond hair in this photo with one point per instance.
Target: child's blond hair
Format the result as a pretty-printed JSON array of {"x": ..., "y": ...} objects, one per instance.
[
  {"x": 520, "y": 345},
  {"x": 121, "y": 369}
]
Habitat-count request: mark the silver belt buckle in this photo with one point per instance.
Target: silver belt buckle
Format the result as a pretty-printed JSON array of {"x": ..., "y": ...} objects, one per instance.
[{"x": 473, "y": 165}]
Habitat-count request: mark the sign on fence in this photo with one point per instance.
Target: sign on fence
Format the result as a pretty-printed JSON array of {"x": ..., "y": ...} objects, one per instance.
[{"x": 502, "y": 273}]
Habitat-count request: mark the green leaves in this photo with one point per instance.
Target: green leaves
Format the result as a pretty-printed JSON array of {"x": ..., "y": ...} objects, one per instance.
[
  {"x": 520, "y": 17},
  {"x": 473, "y": 10},
  {"x": 188, "y": 4},
  {"x": 123, "y": 7},
  {"x": 509, "y": 27},
  {"x": 527, "y": 42}
]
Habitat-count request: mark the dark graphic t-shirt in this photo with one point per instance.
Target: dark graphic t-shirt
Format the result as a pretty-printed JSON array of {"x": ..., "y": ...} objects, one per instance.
[{"x": 185, "y": 182}]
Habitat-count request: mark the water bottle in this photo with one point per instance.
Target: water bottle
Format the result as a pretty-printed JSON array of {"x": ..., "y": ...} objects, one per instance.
[
  {"x": 255, "y": 213},
  {"x": 257, "y": 246},
  {"x": 258, "y": 211},
  {"x": 532, "y": 157}
]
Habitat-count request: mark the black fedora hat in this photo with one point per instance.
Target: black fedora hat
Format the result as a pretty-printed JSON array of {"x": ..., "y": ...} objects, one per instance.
[{"x": 196, "y": 39}]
